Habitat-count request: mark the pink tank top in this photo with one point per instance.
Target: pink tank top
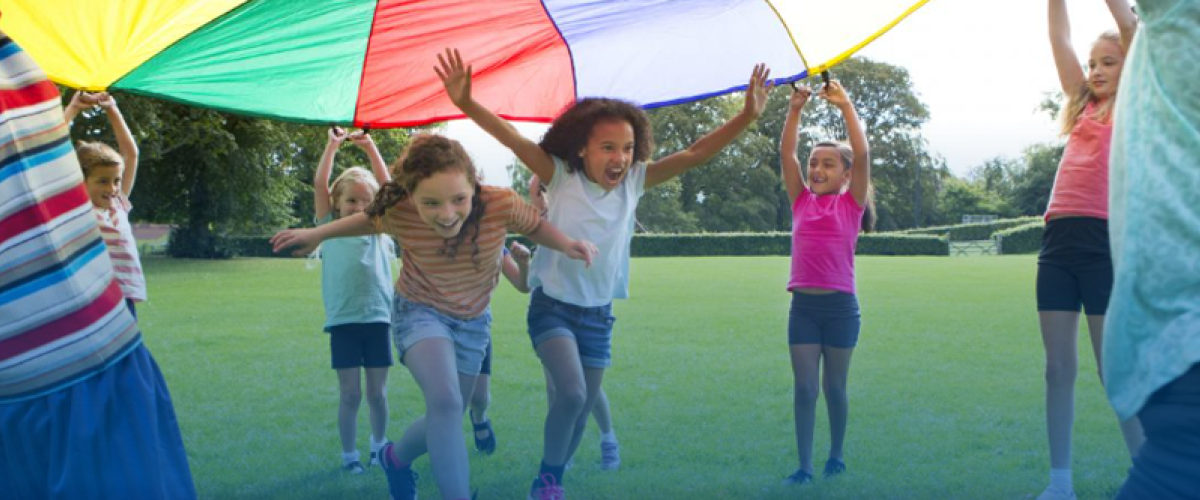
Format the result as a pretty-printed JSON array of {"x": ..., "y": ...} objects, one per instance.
[
  {"x": 824, "y": 234},
  {"x": 1081, "y": 184}
]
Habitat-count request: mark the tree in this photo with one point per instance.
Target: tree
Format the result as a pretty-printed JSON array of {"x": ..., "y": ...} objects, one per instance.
[
  {"x": 1032, "y": 186},
  {"x": 960, "y": 197}
]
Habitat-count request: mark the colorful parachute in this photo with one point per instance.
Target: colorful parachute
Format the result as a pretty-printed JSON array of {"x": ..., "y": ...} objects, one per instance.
[{"x": 370, "y": 62}]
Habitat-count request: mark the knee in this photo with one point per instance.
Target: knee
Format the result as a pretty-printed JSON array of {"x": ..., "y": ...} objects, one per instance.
[
  {"x": 1060, "y": 372},
  {"x": 571, "y": 398},
  {"x": 443, "y": 404},
  {"x": 836, "y": 393},
  {"x": 377, "y": 400},
  {"x": 806, "y": 393},
  {"x": 351, "y": 397}
]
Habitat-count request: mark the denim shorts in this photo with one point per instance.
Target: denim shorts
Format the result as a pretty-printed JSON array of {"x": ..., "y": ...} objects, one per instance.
[
  {"x": 590, "y": 327},
  {"x": 832, "y": 319},
  {"x": 413, "y": 322}
]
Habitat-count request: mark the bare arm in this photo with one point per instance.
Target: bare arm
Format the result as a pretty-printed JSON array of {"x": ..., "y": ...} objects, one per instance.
[
  {"x": 708, "y": 146},
  {"x": 1126, "y": 21},
  {"x": 1070, "y": 74},
  {"x": 860, "y": 170},
  {"x": 456, "y": 77},
  {"x": 125, "y": 143},
  {"x": 322, "y": 203},
  {"x": 789, "y": 163},
  {"x": 305, "y": 241},
  {"x": 548, "y": 236},
  {"x": 378, "y": 167}
]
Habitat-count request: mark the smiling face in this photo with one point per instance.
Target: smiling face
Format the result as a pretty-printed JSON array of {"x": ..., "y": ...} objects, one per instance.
[
  {"x": 827, "y": 171},
  {"x": 608, "y": 153},
  {"x": 443, "y": 201},
  {"x": 103, "y": 184},
  {"x": 355, "y": 197},
  {"x": 1104, "y": 67}
]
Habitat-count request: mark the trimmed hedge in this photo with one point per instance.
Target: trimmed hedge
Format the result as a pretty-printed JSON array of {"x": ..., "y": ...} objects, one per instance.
[
  {"x": 775, "y": 243},
  {"x": 973, "y": 232},
  {"x": 1021, "y": 239}
]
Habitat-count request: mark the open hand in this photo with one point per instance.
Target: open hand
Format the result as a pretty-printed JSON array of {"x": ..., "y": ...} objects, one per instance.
[
  {"x": 756, "y": 91},
  {"x": 456, "y": 77},
  {"x": 301, "y": 240}
]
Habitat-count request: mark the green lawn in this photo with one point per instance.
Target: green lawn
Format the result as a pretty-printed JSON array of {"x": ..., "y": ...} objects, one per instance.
[{"x": 946, "y": 386}]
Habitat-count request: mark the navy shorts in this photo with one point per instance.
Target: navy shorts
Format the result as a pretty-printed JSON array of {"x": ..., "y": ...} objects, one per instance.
[
  {"x": 486, "y": 367},
  {"x": 360, "y": 344},
  {"x": 591, "y": 327},
  {"x": 830, "y": 319},
  {"x": 1167, "y": 463},
  {"x": 1075, "y": 266}
]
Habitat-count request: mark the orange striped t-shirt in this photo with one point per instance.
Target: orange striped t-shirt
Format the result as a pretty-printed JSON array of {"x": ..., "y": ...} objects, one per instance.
[
  {"x": 117, "y": 233},
  {"x": 460, "y": 287}
]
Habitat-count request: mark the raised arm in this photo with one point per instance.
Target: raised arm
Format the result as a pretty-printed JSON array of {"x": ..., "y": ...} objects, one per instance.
[
  {"x": 1126, "y": 20},
  {"x": 379, "y": 169},
  {"x": 305, "y": 241},
  {"x": 516, "y": 267},
  {"x": 860, "y": 169},
  {"x": 708, "y": 146},
  {"x": 125, "y": 143},
  {"x": 1070, "y": 73},
  {"x": 80, "y": 101},
  {"x": 322, "y": 203},
  {"x": 789, "y": 163},
  {"x": 546, "y": 235},
  {"x": 456, "y": 77}
]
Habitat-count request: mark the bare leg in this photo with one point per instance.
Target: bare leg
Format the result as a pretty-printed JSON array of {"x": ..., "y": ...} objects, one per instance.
[
  {"x": 806, "y": 359},
  {"x": 349, "y": 398},
  {"x": 1131, "y": 429},
  {"x": 560, "y": 357},
  {"x": 1059, "y": 332},
  {"x": 593, "y": 377},
  {"x": 480, "y": 401},
  {"x": 837, "y": 399},
  {"x": 377, "y": 400},
  {"x": 601, "y": 411}
]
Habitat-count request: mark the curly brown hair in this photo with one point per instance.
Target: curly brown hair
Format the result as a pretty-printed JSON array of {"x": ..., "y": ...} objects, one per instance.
[
  {"x": 427, "y": 155},
  {"x": 569, "y": 133}
]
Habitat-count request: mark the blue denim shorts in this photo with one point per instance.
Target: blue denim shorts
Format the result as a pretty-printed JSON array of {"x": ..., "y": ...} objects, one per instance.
[
  {"x": 831, "y": 320},
  {"x": 591, "y": 327},
  {"x": 413, "y": 322}
]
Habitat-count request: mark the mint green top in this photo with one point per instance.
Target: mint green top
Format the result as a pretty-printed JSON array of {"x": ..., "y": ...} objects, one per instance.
[
  {"x": 1152, "y": 331},
  {"x": 356, "y": 278}
]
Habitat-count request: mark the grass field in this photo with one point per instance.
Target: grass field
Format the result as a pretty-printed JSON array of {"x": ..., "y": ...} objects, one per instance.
[{"x": 946, "y": 386}]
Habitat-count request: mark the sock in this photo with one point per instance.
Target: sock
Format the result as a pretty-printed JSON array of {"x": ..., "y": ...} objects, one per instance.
[
  {"x": 1060, "y": 479},
  {"x": 608, "y": 437},
  {"x": 349, "y": 457},
  {"x": 556, "y": 472},
  {"x": 376, "y": 445}
]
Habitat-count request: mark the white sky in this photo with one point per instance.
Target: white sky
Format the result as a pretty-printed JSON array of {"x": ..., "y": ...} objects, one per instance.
[{"x": 980, "y": 66}]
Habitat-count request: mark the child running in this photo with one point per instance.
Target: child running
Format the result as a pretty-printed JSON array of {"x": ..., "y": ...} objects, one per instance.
[
  {"x": 356, "y": 278},
  {"x": 1075, "y": 264},
  {"x": 824, "y": 322},
  {"x": 451, "y": 230},
  {"x": 108, "y": 176},
  {"x": 595, "y": 159}
]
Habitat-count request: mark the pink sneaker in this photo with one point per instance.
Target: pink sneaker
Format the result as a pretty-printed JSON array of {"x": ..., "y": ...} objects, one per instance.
[{"x": 548, "y": 490}]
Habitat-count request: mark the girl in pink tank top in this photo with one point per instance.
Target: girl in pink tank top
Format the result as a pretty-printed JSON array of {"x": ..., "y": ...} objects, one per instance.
[
  {"x": 827, "y": 215},
  {"x": 1075, "y": 268}
]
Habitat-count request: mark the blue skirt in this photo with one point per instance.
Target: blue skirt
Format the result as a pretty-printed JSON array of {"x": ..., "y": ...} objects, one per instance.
[{"x": 113, "y": 435}]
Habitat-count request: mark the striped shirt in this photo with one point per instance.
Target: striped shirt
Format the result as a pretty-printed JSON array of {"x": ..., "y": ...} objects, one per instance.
[
  {"x": 460, "y": 287},
  {"x": 62, "y": 315},
  {"x": 122, "y": 248}
]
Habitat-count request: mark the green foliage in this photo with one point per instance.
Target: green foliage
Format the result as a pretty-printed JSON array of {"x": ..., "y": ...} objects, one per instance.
[
  {"x": 1022, "y": 239},
  {"x": 974, "y": 232},
  {"x": 901, "y": 244},
  {"x": 959, "y": 198}
]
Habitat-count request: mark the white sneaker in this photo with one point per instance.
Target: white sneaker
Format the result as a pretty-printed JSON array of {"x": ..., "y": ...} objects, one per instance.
[
  {"x": 610, "y": 456},
  {"x": 1053, "y": 493}
]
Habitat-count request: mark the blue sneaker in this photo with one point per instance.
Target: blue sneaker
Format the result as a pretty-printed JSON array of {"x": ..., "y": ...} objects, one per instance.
[
  {"x": 799, "y": 477},
  {"x": 402, "y": 482},
  {"x": 833, "y": 467}
]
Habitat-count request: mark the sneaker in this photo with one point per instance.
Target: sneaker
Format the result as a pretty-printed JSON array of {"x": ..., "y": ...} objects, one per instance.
[
  {"x": 354, "y": 467},
  {"x": 610, "y": 455},
  {"x": 402, "y": 482},
  {"x": 1053, "y": 493},
  {"x": 546, "y": 488},
  {"x": 833, "y": 467},
  {"x": 799, "y": 477},
  {"x": 375, "y": 460}
]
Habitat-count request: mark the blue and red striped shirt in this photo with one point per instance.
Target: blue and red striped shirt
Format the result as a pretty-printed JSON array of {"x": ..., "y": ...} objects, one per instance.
[{"x": 62, "y": 313}]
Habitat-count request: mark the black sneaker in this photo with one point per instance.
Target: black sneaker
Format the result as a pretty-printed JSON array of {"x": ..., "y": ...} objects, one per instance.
[
  {"x": 833, "y": 467},
  {"x": 799, "y": 477},
  {"x": 354, "y": 467},
  {"x": 402, "y": 482},
  {"x": 376, "y": 458}
]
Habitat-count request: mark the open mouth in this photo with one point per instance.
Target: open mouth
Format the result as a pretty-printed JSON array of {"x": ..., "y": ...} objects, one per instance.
[
  {"x": 449, "y": 225},
  {"x": 614, "y": 174}
]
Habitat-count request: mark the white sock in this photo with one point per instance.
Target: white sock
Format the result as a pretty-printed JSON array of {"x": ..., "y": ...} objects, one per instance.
[
  {"x": 1060, "y": 479},
  {"x": 376, "y": 445},
  {"x": 350, "y": 457},
  {"x": 608, "y": 437}
]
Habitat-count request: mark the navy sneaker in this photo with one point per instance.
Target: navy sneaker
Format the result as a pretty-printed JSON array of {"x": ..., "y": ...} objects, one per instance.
[
  {"x": 402, "y": 482},
  {"x": 833, "y": 467},
  {"x": 799, "y": 477}
]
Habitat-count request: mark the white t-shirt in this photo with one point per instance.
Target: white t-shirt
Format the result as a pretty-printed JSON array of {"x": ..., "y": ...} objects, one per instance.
[{"x": 583, "y": 210}]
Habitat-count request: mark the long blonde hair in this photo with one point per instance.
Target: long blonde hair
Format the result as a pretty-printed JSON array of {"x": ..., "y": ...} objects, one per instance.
[
  {"x": 1083, "y": 95},
  {"x": 351, "y": 175}
]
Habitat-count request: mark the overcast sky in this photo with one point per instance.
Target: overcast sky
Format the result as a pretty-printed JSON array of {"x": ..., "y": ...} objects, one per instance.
[{"x": 981, "y": 67}]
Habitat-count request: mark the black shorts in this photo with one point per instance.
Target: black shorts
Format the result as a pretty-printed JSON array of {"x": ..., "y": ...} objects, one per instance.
[
  {"x": 486, "y": 367},
  {"x": 832, "y": 320},
  {"x": 360, "y": 344},
  {"x": 1075, "y": 266}
]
